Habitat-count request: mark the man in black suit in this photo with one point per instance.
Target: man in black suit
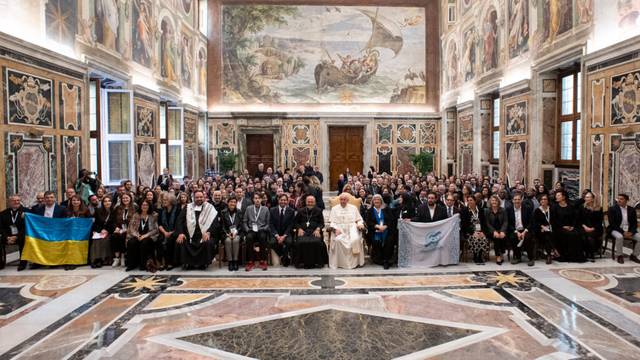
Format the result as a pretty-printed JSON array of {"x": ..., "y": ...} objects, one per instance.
[
  {"x": 450, "y": 205},
  {"x": 431, "y": 211},
  {"x": 50, "y": 208},
  {"x": 217, "y": 202},
  {"x": 281, "y": 225},
  {"x": 623, "y": 224},
  {"x": 520, "y": 228},
  {"x": 69, "y": 194},
  {"x": 12, "y": 229}
]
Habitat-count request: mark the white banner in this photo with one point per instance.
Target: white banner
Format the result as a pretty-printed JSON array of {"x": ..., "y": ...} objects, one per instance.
[{"x": 429, "y": 244}]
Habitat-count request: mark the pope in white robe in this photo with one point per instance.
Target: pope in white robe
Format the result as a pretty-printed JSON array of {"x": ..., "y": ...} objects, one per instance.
[{"x": 346, "y": 248}]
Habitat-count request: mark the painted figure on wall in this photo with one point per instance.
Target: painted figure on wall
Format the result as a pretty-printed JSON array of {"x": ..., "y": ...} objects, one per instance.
[
  {"x": 168, "y": 51},
  {"x": 319, "y": 54},
  {"x": 518, "y": 27},
  {"x": 490, "y": 40},
  {"x": 146, "y": 164},
  {"x": 516, "y": 118},
  {"x": 629, "y": 13},
  {"x": 558, "y": 18},
  {"x": 516, "y": 155},
  {"x": 469, "y": 57},
  {"x": 186, "y": 60},
  {"x": 452, "y": 66},
  {"x": 107, "y": 23},
  {"x": 202, "y": 72},
  {"x": 625, "y": 99},
  {"x": 143, "y": 41},
  {"x": 30, "y": 99},
  {"x": 584, "y": 11}
]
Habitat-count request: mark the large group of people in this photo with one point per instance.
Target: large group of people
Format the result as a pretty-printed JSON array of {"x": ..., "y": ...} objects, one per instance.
[{"x": 252, "y": 219}]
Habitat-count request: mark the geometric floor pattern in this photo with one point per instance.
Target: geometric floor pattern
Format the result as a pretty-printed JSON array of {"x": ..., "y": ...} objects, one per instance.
[{"x": 587, "y": 312}]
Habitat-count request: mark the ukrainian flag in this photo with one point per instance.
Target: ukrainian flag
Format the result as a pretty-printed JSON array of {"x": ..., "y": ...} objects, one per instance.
[{"x": 51, "y": 241}]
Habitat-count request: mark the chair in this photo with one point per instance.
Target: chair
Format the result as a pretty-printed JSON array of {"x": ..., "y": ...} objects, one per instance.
[{"x": 357, "y": 202}]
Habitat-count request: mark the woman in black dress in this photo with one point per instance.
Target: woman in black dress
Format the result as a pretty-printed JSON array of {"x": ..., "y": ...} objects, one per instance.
[
  {"x": 496, "y": 225},
  {"x": 231, "y": 221},
  {"x": 100, "y": 252},
  {"x": 406, "y": 208},
  {"x": 591, "y": 224},
  {"x": 381, "y": 226},
  {"x": 564, "y": 220},
  {"x": 119, "y": 223},
  {"x": 542, "y": 228}
]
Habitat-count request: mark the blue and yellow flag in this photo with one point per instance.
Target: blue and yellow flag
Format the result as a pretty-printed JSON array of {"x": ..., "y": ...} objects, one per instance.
[{"x": 51, "y": 241}]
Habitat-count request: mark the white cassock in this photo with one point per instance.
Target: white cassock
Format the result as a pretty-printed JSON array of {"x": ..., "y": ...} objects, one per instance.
[{"x": 346, "y": 250}]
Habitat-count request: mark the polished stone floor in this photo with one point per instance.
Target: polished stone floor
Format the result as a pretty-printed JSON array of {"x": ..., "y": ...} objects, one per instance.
[{"x": 559, "y": 311}]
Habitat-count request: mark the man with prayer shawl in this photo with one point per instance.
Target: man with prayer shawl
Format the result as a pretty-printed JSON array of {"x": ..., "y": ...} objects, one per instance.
[
  {"x": 196, "y": 227},
  {"x": 346, "y": 247}
]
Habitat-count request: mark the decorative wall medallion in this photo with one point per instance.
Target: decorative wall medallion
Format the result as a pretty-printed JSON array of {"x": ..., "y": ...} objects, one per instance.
[
  {"x": 29, "y": 99},
  {"x": 145, "y": 120},
  {"x": 407, "y": 134},
  {"x": 300, "y": 134},
  {"x": 549, "y": 85},
  {"x": 625, "y": 99}
]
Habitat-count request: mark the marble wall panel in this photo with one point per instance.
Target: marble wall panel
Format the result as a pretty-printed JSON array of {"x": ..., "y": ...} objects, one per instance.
[
  {"x": 146, "y": 164},
  {"x": 549, "y": 130},
  {"x": 626, "y": 167},
  {"x": 597, "y": 164},
  {"x": 31, "y": 165},
  {"x": 465, "y": 123},
  {"x": 625, "y": 98},
  {"x": 451, "y": 140},
  {"x": 516, "y": 155},
  {"x": 146, "y": 118},
  {"x": 403, "y": 163},
  {"x": 571, "y": 180},
  {"x": 597, "y": 103},
  {"x": 29, "y": 99},
  {"x": 70, "y": 149},
  {"x": 70, "y": 106}
]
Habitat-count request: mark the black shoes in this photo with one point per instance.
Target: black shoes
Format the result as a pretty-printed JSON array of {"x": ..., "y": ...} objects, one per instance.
[
  {"x": 285, "y": 261},
  {"x": 22, "y": 265},
  {"x": 634, "y": 259},
  {"x": 386, "y": 265}
]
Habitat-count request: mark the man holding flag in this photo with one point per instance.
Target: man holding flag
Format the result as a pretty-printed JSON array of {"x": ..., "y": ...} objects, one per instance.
[{"x": 53, "y": 240}]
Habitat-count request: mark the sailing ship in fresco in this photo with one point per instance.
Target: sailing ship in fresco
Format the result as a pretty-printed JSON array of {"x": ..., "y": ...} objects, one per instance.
[{"x": 385, "y": 34}]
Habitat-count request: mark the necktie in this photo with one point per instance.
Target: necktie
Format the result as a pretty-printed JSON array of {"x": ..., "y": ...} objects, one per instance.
[
  {"x": 281, "y": 216},
  {"x": 450, "y": 212}
]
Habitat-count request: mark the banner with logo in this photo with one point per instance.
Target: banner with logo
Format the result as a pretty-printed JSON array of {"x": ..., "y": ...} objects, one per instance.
[{"x": 429, "y": 244}]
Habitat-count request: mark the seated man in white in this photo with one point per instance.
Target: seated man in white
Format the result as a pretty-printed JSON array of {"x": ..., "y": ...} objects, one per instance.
[{"x": 346, "y": 248}]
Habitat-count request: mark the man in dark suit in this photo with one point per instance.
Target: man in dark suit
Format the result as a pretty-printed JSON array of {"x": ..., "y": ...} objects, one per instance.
[
  {"x": 50, "y": 208},
  {"x": 256, "y": 225},
  {"x": 520, "y": 228},
  {"x": 623, "y": 224},
  {"x": 281, "y": 226},
  {"x": 69, "y": 194},
  {"x": 12, "y": 229},
  {"x": 450, "y": 205},
  {"x": 431, "y": 211}
]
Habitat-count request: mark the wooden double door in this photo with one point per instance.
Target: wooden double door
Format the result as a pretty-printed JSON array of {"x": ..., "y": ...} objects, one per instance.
[
  {"x": 346, "y": 151},
  {"x": 259, "y": 150}
]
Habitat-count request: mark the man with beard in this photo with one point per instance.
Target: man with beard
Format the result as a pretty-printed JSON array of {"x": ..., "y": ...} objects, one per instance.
[
  {"x": 195, "y": 227},
  {"x": 431, "y": 211}
]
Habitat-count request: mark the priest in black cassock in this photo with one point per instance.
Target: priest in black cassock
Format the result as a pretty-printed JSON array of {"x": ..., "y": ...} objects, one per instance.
[
  {"x": 196, "y": 228},
  {"x": 311, "y": 250}
]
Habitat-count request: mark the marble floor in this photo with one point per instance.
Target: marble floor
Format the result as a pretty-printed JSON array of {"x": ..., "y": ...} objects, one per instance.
[{"x": 559, "y": 311}]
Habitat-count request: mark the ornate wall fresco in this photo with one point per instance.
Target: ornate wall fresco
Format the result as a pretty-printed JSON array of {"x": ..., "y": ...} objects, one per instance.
[
  {"x": 470, "y": 54},
  {"x": 625, "y": 98},
  {"x": 146, "y": 117},
  {"x": 143, "y": 33},
  {"x": 518, "y": 27},
  {"x": 490, "y": 39},
  {"x": 395, "y": 141},
  {"x": 61, "y": 21},
  {"x": 516, "y": 117},
  {"x": 314, "y": 54},
  {"x": 557, "y": 18}
]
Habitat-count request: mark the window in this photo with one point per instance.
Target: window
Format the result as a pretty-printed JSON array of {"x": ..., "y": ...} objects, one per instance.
[
  {"x": 117, "y": 136},
  {"x": 452, "y": 12},
  {"x": 94, "y": 125},
  {"x": 569, "y": 118},
  {"x": 163, "y": 135},
  {"x": 495, "y": 131},
  {"x": 202, "y": 16},
  {"x": 175, "y": 148}
]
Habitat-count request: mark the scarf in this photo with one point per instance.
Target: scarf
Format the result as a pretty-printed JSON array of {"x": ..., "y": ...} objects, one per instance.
[
  {"x": 379, "y": 236},
  {"x": 207, "y": 215}
]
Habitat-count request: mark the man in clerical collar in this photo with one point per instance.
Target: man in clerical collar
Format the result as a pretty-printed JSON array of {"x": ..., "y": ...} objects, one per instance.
[
  {"x": 217, "y": 201},
  {"x": 12, "y": 229},
  {"x": 196, "y": 227},
  {"x": 256, "y": 226},
  {"x": 311, "y": 251}
]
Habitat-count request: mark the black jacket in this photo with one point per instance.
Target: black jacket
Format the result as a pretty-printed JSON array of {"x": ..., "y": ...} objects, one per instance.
[
  {"x": 615, "y": 219},
  {"x": 281, "y": 225},
  {"x": 495, "y": 222},
  {"x": 390, "y": 220},
  {"x": 58, "y": 211},
  {"x": 527, "y": 218},
  {"x": 6, "y": 221},
  {"x": 423, "y": 214},
  {"x": 467, "y": 228}
]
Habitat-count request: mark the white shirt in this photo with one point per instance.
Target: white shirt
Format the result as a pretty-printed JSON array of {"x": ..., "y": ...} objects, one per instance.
[
  {"x": 518, "y": 216},
  {"x": 432, "y": 210},
  {"x": 48, "y": 211},
  {"x": 625, "y": 219}
]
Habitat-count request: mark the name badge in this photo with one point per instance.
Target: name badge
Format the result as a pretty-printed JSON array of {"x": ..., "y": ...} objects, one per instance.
[
  {"x": 254, "y": 227},
  {"x": 233, "y": 230},
  {"x": 478, "y": 227},
  {"x": 14, "y": 230},
  {"x": 625, "y": 228}
]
